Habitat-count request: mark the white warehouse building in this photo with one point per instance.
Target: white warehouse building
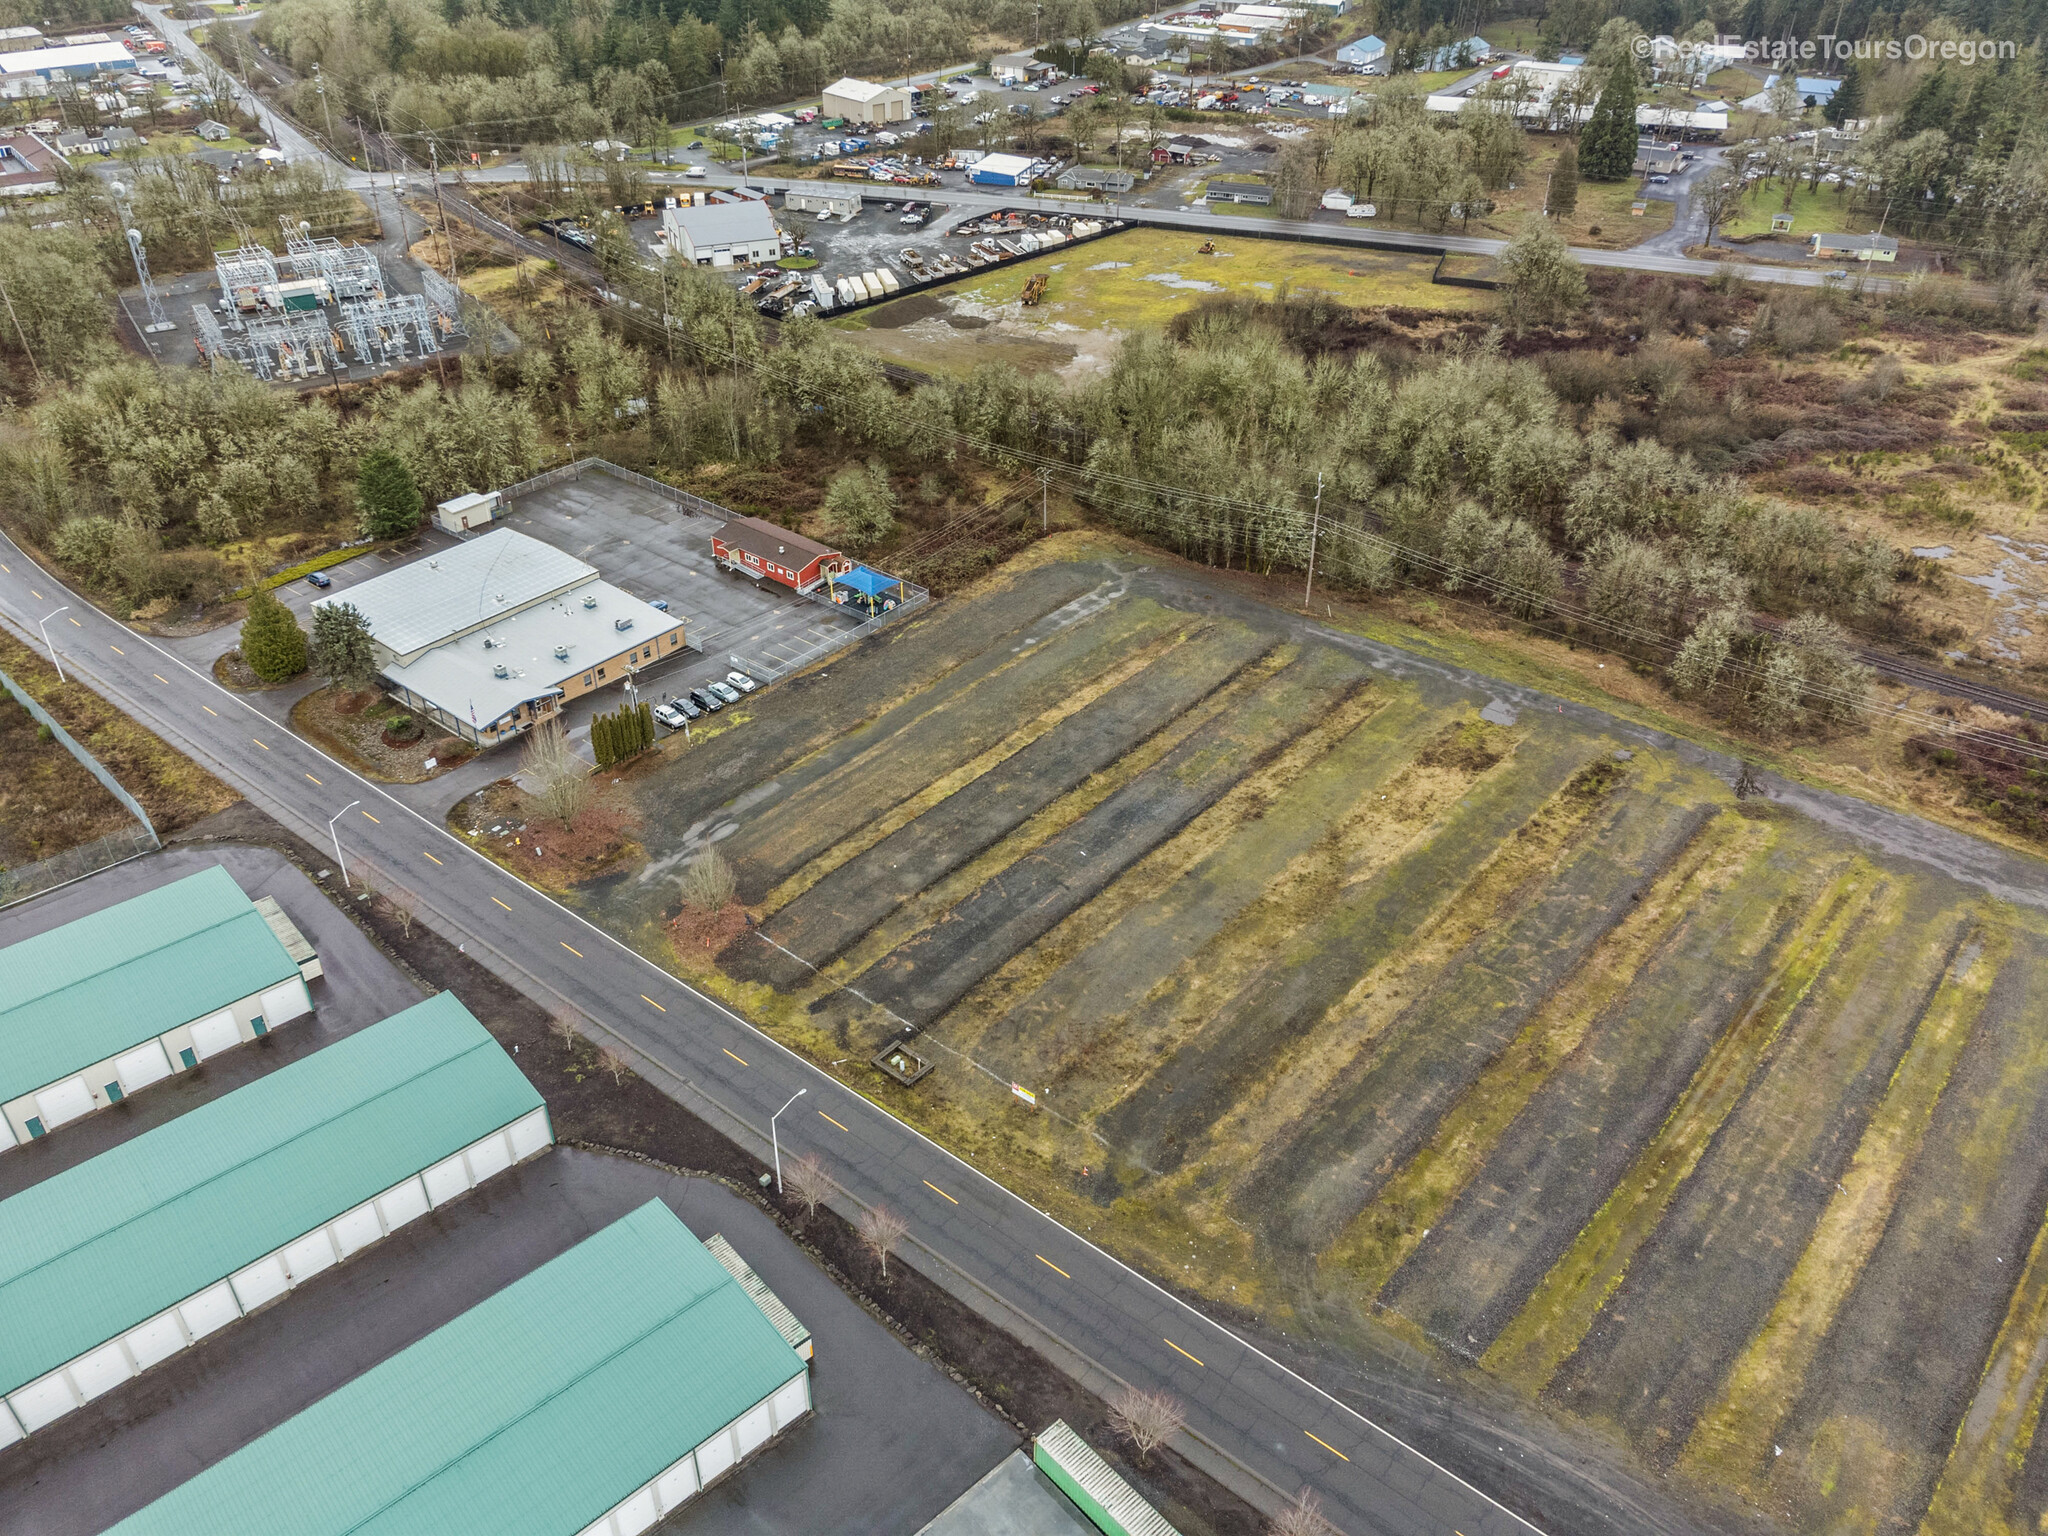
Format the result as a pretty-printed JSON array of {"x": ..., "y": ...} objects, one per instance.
[
  {"x": 121, "y": 1262},
  {"x": 859, "y": 101},
  {"x": 106, "y": 1005}
]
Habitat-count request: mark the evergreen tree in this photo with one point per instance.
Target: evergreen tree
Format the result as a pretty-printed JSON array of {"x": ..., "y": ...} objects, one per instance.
[
  {"x": 1564, "y": 183},
  {"x": 1846, "y": 105},
  {"x": 272, "y": 642},
  {"x": 342, "y": 651},
  {"x": 387, "y": 500},
  {"x": 1607, "y": 149}
]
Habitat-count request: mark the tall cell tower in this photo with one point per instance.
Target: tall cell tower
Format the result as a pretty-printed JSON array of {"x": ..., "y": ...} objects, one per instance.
[{"x": 152, "y": 301}]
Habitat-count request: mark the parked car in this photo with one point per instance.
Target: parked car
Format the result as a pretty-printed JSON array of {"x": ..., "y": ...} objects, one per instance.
[
  {"x": 725, "y": 691},
  {"x": 1659, "y": 179},
  {"x": 706, "y": 700},
  {"x": 741, "y": 681},
  {"x": 689, "y": 709},
  {"x": 695, "y": 172},
  {"x": 659, "y": 605},
  {"x": 320, "y": 579},
  {"x": 669, "y": 716}
]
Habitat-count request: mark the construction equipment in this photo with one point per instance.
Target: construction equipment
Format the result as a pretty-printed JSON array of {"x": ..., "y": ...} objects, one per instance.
[
  {"x": 1206, "y": 248},
  {"x": 1034, "y": 291}
]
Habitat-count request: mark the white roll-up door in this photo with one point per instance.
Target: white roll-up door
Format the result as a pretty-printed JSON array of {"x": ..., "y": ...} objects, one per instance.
[
  {"x": 637, "y": 1514},
  {"x": 142, "y": 1066},
  {"x": 43, "y": 1402},
  {"x": 754, "y": 1428},
  {"x": 10, "y": 1427},
  {"x": 357, "y": 1229},
  {"x": 491, "y": 1155},
  {"x": 101, "y": 1371},
  {"x": 63, "y": 1101},
  {"x": 402, "y": 1203},
  {"x": 284, "y": 1002},
  {"x": 215, "y": 1033},
  {"x": 791, "y": 1400},
  {"x": 602, "y": 1528},
  {"x": 677, "y": 1485},
  {"x": 260, "y": 1282},
  {"x": 529, "y": 1134},
  {"x": 212, "y": 1308},
  {"x": 155, "y": 1341},
  {"x": 309, "y": 1255},
  {"x": 715, "y": 1456},
  {"x": 446, "y": 1179}
]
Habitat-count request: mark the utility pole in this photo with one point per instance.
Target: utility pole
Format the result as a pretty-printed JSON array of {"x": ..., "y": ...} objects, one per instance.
[
  {"x": 1044, "y": 500},
  {"x": 448, "y": 238},
  {"x": 18, "y": 331},
  {"x": 320, "y": 85},
  {"x": 1315, "y": 527}
]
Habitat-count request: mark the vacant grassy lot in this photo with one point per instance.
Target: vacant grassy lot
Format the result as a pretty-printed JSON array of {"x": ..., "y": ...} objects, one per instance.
[
  {"x": 1822, "y": 211},
  {"x": 1132, "y": 280},
  {"x": 1364, "y": 1003}
]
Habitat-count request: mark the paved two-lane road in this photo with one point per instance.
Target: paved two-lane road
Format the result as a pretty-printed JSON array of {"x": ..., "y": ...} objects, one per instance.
[{"x": 1242, "y": 1405}]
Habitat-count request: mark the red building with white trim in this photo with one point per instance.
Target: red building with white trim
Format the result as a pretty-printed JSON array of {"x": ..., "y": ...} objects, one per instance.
[{"x": 766, "y": 551}]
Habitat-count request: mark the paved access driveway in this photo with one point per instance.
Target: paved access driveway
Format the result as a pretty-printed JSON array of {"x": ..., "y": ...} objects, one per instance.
[
  {"x": 892, "y": 1442},
  {"x": 359, "y": 987},
  {"x": 652, "y": 548}
]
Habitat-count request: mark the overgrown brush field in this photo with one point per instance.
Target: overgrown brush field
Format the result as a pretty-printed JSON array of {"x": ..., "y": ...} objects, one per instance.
[{"x": 1358, "y": 998}]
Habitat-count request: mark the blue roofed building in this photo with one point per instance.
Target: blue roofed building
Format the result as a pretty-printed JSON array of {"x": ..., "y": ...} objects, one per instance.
[{"x": 1364, "y": 53}]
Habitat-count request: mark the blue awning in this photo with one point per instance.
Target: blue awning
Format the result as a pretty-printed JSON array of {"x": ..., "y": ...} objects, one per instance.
[{"x": 871, "y": 583}]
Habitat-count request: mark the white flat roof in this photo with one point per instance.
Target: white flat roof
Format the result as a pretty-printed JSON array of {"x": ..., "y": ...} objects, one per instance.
[
  {"x": 458, "y": 676},
  {"x": 1004, "y": 165},
  {"x": 859, "y": 90},
  {"x": 30, "y": 60},
  {"x": 474, "y": 583}
]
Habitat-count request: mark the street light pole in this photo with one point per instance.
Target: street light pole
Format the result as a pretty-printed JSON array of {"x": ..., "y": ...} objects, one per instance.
[
  {"x": 44, "y": 625},
  {"x": 775, "y": 1140},
  {"x": 337, "y": 838}
]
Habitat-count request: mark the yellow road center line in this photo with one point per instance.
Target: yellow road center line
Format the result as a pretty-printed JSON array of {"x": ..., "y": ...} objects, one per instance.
[
  {"x": 161, "y": 678},
  {"x": 928, "y": 1184},
  {"x": 32, "y": 592},
  {"x": 379, "y": 823},
  {"x": 823, "y": 1115},
  {"x": 500, "y": 903},
  {"x": 316, "y": 781},
  {"x": 8, "y": 569},
  {"x": 1179, "y": 1351},
  {"x": 259, "y": 743},
  {"x": 740, "y": 1059},
  {"x": 76, "y": 625},
  {"x": 425, "y": 855},
  {"x": 1048, "y": 1263},
  {"x": 209, "y": 709},
  {"x": 1319, "y": 1440},
  {"x": 116, "y": 649},
  {"x": 569, "y": 947},
  {"x": 650, "y": 1002}
]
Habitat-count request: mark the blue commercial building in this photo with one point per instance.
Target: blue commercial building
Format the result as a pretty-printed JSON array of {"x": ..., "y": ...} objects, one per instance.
[{"x": 1363, "y": 53}]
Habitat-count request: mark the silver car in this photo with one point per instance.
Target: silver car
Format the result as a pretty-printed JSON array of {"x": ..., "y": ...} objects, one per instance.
[
  {"x": 741, "y": 681},
  {"x": 725, "y": 691}
]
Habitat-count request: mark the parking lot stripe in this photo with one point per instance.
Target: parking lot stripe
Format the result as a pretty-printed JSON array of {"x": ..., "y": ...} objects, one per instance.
[
  {"x": 1319, "y": 1440},
  {"x": 1048, "y": 1263},
  {"x": 928, "y": 1184},
  {"x": 740, "y": 1059},
  {"x": 1179, "y": 1351}
]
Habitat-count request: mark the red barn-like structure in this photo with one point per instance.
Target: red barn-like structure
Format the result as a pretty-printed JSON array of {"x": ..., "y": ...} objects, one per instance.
[{"x": 765, "y": 551}]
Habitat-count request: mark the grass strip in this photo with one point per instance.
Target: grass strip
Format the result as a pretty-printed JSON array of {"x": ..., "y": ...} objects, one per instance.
[{"x": 1732, "y": 1442}]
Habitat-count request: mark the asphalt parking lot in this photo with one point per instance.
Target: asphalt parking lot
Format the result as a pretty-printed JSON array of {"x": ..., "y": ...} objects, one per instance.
[
  {"x": 892, "y": 1441},
  {"x": 359, "y": 987}
]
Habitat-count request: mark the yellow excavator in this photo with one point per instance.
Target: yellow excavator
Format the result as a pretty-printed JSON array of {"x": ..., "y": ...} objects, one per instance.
[
  {"x": 1034, "y": 291},
  {"x": 1207, "y": 248}
]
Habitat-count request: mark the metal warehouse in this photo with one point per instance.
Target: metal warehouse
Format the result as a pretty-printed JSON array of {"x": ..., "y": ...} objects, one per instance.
[
  {"x": 589, "y": 1398},
  {"x": 119, "y": 1263},
  {"x": 94, "y": 1010}
]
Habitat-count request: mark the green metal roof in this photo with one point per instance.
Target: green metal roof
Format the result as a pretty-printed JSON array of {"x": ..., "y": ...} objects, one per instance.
[
  {"x": 98, "y": 1248},
  {"x": 529, "y": 1415},
  {"x": 92, "y": 988}
]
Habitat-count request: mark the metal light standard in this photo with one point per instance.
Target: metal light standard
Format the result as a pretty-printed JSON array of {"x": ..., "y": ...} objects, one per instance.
[
  {"x": 775, "y": 1139},
  {"x": 337, "y": 838},
  {"x": 44, "y": 625}
]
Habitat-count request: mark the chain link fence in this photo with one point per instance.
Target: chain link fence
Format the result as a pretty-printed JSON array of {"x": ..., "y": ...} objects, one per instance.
[{"x": 28, "y": 880}]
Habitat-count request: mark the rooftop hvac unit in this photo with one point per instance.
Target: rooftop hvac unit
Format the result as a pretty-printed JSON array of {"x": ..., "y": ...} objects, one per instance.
[
  {"x": 590, "y": 600},
  {"x": 489, "y": 642},
  {"x": 622, "y": 623},
  {"x": 501, "y": 670},
  {"x": 561, "y": 653}
]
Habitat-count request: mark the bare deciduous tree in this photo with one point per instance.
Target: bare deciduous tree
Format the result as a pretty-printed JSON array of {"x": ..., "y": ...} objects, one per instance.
[
  {"x": 403, "y": 906},
  {"x": 609, "y": 1060},
  {"x": 565, "y": 1029},
  {"x": 806, "y": 1180},
  {"x": 881, "y": 1229},
  {"x": 1303, "y": 1516},
  {"x": 1147, "y": 1419},
  {"x": 708, "y": 881},
  {"x": 559, "y": 780}
]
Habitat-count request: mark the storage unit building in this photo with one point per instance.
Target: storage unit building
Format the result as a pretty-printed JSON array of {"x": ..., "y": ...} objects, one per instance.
[
  {"x": 101, "y": 1007},
  {"x": 589, "y": 1398},
  {"x": 764, "y": 550},
  {"x": 860, "y": 101},
  {"x": 720, "y": 234},
  {"x": 119, "y": 1263},
  {"x": 834, "y": 202},
  {"x": 1002, "y": 171},
  {"x": 1115, "y": 1507}
]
